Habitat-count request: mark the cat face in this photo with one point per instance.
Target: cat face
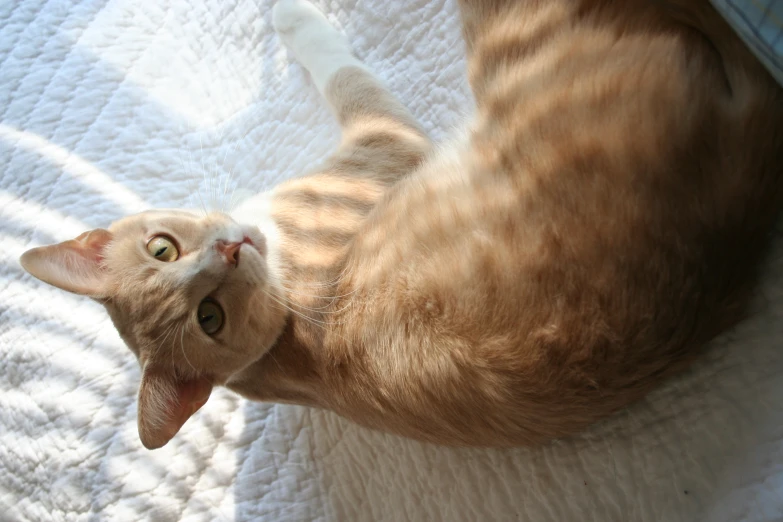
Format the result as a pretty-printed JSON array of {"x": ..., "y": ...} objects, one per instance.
[{"x": 191, "y": 296}]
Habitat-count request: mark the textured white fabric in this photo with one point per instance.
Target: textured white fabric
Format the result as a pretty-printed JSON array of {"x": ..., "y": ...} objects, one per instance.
[
  {"x": 109, "y": 106},
  {"x": 760, "y": 24}
]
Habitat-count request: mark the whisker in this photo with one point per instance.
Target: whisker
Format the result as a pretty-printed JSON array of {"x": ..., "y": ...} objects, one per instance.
[
  {"x": 225, "y": 181},
  {"x": 161, "y": 339},
  {"x": 198, "y": 189},
  {"x": 316, "y": 322},
  {"x": 215, "y": 175},
  {"x": 315, "y": 296},
  {"x": 203, "y": 169},
  {"x": 171, "y": 352},
  {"x": 274, "y": 359},
  {"x": 323, "y": 310},
  {"x": 287, "y": 307},
  {"x": 229, "y": 177},
  {"x": 231, "y": 202},
  {"x": 191, "y": 183},
  {"x": 339, "y": 278},
  {"x": 182, "y": 347}
]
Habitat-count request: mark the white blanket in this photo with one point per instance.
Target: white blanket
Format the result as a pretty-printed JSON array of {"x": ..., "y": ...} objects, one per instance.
[{"x": 110, "y": 106}]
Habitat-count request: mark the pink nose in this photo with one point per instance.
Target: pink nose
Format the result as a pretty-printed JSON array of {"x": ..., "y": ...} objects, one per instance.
[{"x": 230, "y": 251}]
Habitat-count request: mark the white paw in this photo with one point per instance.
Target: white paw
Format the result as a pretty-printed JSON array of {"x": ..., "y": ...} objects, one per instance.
[
  {"x": 316, "y": 44},
  {"x": 305, "y": 30}
]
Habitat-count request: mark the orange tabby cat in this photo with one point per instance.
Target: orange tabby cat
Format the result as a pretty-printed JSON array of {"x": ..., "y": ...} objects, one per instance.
[{"x": 597, "y": 223}]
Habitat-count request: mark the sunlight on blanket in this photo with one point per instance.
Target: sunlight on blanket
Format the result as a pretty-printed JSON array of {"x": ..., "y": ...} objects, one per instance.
[
  {"x": 38, "y": 217},
  {"x": 201, "y": 82},
  {"x": 75, "y": 166}
]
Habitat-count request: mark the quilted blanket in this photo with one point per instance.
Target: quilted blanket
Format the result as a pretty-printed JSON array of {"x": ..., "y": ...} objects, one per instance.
[{"x": 111, "y": 106}]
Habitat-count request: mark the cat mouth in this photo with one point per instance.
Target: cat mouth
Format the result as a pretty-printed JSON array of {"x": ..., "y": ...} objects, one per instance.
[{"x": 245, "y": 241}]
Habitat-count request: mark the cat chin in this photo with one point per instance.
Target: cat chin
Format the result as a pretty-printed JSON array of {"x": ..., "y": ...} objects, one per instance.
[
  {"x": 252, "y": 263},
  {"x": 254, "y": 239}
]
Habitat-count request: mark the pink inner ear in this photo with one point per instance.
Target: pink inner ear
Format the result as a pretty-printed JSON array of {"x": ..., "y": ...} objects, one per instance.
[
  {"x": 93, "y": 242},
  {"x": 75, "y": 265},
  {"x": 166, "y": 403}
]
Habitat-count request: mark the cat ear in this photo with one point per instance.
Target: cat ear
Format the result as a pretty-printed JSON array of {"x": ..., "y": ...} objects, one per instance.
[
  {"x": 73, "y": 265},
  {"x": 166, "y": 403}
]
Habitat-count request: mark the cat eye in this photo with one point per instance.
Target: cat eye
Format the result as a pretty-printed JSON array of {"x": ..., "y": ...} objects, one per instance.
[
  {"x": 163, "y": 248},
  {"x": 210, "y": 316}
]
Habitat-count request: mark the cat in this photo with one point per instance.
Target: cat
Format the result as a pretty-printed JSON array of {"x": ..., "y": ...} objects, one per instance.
[{"x": 601, "y": 217}]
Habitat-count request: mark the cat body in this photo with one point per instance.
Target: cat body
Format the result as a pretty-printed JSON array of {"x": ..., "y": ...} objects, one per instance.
[{"x": 601, "y": 218}]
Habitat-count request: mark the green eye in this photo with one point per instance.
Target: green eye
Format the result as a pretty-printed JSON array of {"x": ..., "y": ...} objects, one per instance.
[
  {"x": 162, "y": 248},
  {"x": 210, "y": 316}
]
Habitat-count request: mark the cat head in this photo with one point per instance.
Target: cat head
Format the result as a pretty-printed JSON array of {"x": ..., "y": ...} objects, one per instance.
[{"x": 190, "y": 295}]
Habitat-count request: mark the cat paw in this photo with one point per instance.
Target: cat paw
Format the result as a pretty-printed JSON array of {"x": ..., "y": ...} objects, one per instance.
[
  {"x": 319, "y": 46},
  {"x": 306, "y": 31}
]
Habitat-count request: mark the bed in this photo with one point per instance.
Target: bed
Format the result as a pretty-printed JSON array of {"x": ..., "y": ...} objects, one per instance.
[{"x": 112, "y": 106}]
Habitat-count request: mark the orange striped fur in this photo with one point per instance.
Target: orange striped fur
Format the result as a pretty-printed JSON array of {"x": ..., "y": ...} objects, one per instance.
[{"x": 601, "y": 219}]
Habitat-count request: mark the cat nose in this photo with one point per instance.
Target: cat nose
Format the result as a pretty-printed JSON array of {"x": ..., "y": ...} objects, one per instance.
[{"x": 230, "y": 251}]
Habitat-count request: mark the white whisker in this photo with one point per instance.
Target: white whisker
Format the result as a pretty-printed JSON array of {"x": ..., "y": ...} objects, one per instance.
[
  {"x": 315, "y": 322},
  {"x": 161, "y": 339},
  {"x": 315, "y": 296},
  {"x": 191, "y": 183},
  {"x": 203, "y": 170},
  {"x": 182, "y": 347},
  {"x": 198, "y": 190},
  {"x": 229, "y": 204},
  {"x": 339, "y": 278},
  {"x": 215, "y": 175}
]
